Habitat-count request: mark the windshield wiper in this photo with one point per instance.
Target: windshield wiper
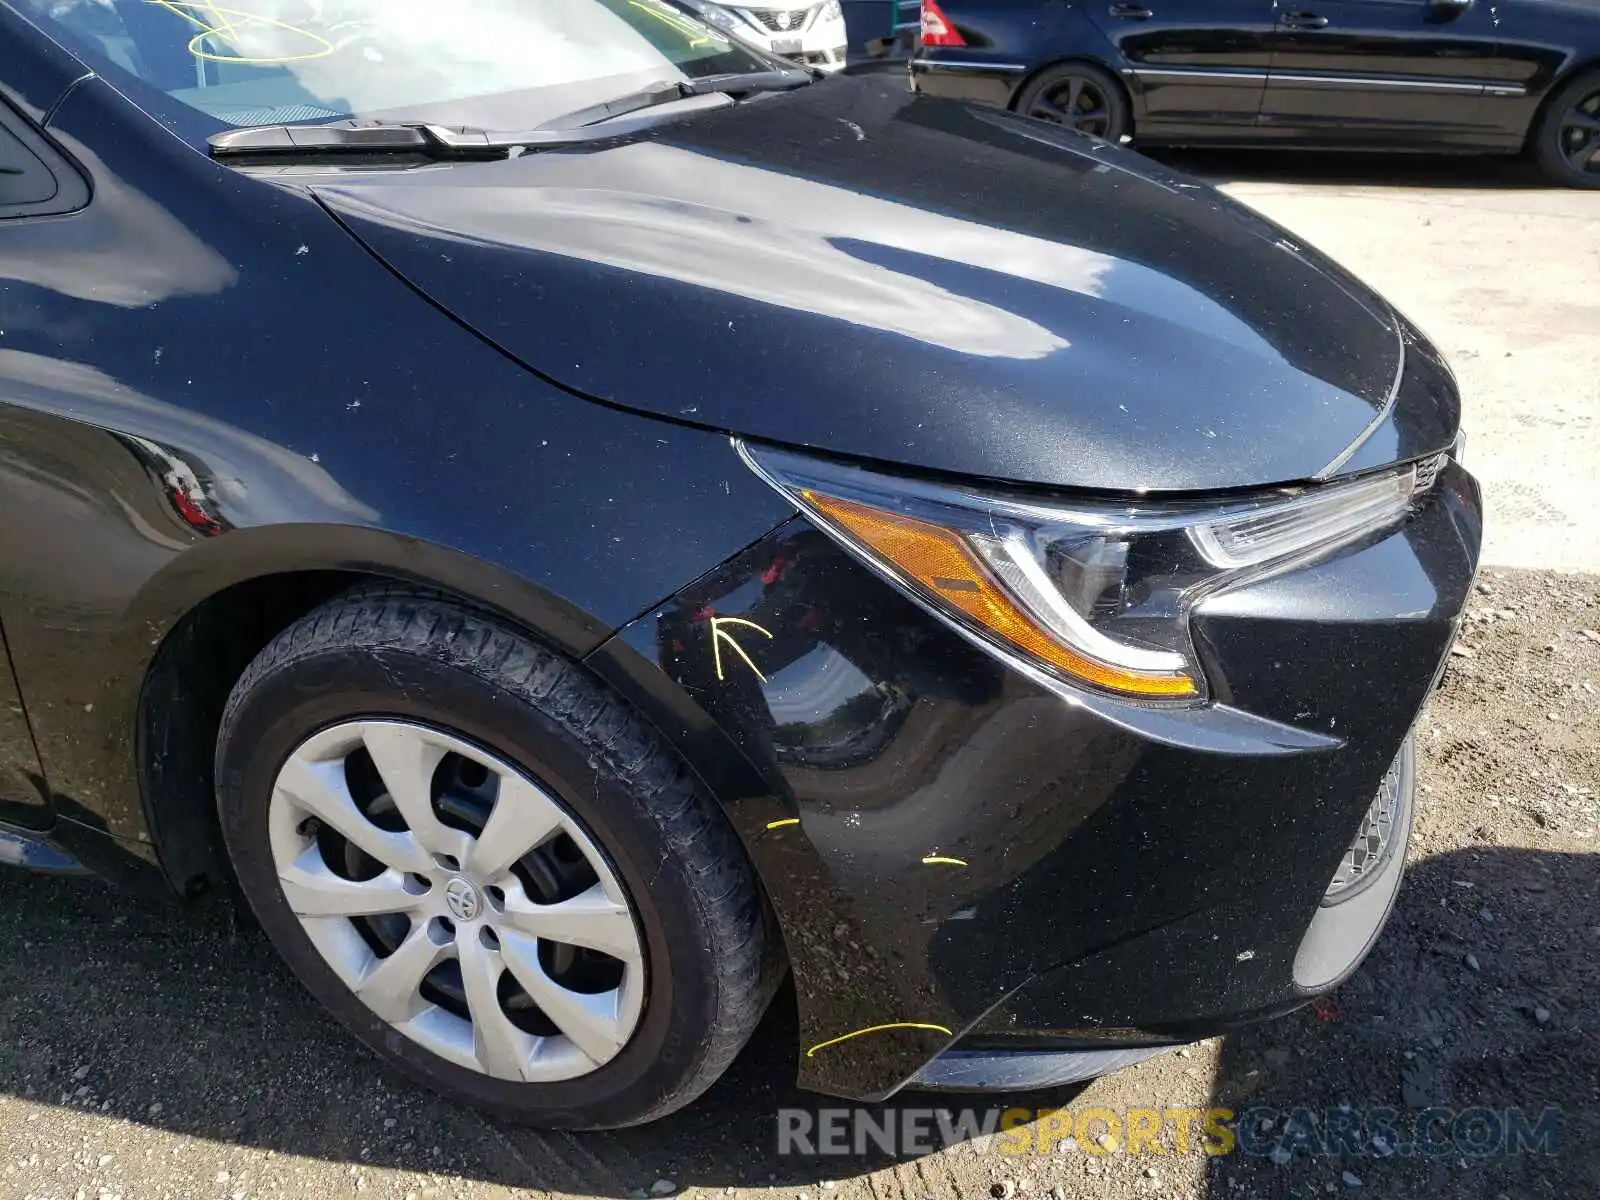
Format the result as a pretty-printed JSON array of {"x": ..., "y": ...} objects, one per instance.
[
  {"x": 438, "y": 141},
  {"x": 734, "y": 83},
  {"x": 381, "y": 137}
]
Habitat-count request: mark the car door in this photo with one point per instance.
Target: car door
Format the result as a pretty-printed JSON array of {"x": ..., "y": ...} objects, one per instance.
[
  {"x": 1539, "y": 43},
  {"x": 1381, "y": 71},
  {"x": 26, "y": 184},
  {"x": 24, "y": 799},
  {"x": 34, "y": 184},
  {"x": 1197, "y": 66}
]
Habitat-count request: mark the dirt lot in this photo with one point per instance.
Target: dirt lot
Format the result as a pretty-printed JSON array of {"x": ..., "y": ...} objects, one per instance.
[
  {"x": 148, "y": 1052},
  {"x": 1501, "y": 273}
]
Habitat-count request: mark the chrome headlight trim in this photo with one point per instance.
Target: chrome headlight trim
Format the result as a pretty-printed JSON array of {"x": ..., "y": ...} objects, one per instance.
[{"x": 1092, "y": 594}]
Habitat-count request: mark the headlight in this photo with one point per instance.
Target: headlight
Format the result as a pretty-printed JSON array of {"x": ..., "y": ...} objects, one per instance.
[
  {"x": 716, "y": 16},
  {"x": 1092, "y": 593},
  {"x": 830, "y": 12}
]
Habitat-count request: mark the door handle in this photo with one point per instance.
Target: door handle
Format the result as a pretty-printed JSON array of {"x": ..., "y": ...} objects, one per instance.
[
  {"x": 1131, "y": 12},
  {"x": 1304, "y": 20}
]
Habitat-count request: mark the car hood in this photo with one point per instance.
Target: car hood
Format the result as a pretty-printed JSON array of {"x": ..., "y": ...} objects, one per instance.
[{"x": 859, "y": 270}]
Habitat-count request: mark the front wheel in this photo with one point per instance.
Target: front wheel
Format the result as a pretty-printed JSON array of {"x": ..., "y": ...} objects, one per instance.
[
  {"x": 1567, "y": 140},
  {"x": 486, "y": 868},
  {"x": 1080, "y": 96}
]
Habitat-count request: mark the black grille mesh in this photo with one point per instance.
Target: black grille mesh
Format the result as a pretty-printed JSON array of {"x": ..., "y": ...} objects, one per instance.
[
  {"x": 1372, "y": 840},
  {"x": 779, "y": 21}
]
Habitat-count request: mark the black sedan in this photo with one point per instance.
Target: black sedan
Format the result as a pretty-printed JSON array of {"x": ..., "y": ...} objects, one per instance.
[
  {"x": 568, "y": 555},
  {"x": 1421, "y": 75}
]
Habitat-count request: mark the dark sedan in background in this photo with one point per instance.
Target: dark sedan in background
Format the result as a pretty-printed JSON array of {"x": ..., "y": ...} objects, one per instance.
[
  {"x": 881, "y": 32},
  {"x": 1434, "y": 75}
]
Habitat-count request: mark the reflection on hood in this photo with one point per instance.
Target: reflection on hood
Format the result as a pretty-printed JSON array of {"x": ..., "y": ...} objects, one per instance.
[
  {"x": 713, "y": 248},
  {"x": 648, "y": 209}
]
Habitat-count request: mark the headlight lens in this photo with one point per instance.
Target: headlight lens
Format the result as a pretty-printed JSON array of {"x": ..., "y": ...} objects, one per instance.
[
  {"x": 716, "y": 16},
  {"x": 1318, "y": 517},
  {"x": 1094, "y": 594}
]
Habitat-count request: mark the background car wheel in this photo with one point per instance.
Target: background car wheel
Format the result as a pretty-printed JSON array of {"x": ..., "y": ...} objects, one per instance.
[
  {"x": 485, "y": 866},
  {"x": 1567, "y": 142},
  {"x": 1080, "y": 96}
]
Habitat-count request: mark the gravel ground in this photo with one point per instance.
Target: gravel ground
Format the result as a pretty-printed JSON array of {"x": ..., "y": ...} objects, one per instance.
[{"x": 147, "y": 1051}]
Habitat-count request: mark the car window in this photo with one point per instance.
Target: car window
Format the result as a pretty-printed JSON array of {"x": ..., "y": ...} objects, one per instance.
[
  {"x": 35, "y": 180},
  {"x": 255, "y": 62},
  {"x": 24, "y": 180}
]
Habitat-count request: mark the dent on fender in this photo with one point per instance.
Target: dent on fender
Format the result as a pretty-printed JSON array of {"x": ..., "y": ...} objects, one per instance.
[
  {"x": 918, "y": 797},
  {"x": 870, "y": 718}
]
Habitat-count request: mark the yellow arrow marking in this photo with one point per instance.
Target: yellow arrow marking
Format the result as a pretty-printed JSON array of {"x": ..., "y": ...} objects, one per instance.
[{"x": 719, "y": 635}]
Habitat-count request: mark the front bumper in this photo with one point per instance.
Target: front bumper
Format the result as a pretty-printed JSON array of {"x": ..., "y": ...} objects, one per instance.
[
  {"x": 827, "y": 58},
  {"x": 1010, "y": 1049},
  {"x": 962, "y": 1070},
  {"x": 966, "y": 865}
]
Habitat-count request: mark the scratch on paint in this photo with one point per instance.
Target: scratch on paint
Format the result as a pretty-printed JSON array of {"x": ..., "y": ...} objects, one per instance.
[
  {"x": 782, "y": 823},
  {"x": 845, "y": 1037},
  {"x": 942, "y": 860}
]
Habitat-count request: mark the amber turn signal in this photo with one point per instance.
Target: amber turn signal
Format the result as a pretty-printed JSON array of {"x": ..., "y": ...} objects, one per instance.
[{"x": 938, "y": 562}]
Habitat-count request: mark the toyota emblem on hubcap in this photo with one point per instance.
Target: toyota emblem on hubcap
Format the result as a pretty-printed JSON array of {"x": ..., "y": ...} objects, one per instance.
[{"x": 461, "y": 898}]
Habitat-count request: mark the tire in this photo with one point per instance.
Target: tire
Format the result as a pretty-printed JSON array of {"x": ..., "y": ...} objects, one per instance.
[
  {"x": 1080, "y": 96},
  {"x": 1566, "y": 141},
  {"x": 410, "y": 680}
]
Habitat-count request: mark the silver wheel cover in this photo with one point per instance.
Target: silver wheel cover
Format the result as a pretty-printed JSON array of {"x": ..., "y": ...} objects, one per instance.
[{"x": 462, "y": 899}]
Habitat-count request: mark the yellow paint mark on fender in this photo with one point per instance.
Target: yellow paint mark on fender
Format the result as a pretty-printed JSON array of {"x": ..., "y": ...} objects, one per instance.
[
  {"x": 782, "y": 823},
  {"x": 719, "y": 635},
  {"x": 845, "y": 1037},
  {"x": 942, "y": 860}
]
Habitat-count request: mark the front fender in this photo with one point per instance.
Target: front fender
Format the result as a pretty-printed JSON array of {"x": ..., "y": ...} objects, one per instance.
[{"x": 205, "y": 380}]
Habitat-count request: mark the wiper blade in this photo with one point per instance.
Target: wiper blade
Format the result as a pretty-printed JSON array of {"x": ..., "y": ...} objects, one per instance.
[
  {"x": 733, "y": 83},
  {"x": 420, "y": 138},
  {"x": 357, "y": 138}
]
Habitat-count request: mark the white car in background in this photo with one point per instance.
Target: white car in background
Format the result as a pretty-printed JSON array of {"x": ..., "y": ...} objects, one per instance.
[{"x": 810, "y": 34}]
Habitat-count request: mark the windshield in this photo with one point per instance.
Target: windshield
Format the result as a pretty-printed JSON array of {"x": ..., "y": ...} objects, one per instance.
[{"x": 493, "y": 63}]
